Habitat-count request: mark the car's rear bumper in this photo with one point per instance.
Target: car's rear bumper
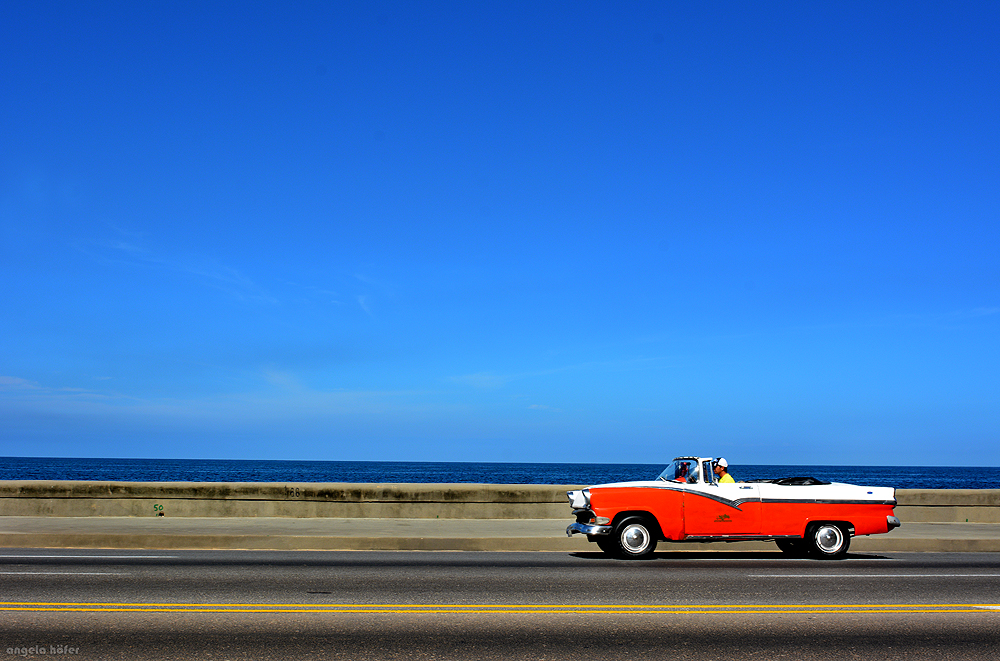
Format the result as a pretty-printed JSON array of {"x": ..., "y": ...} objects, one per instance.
[
  {"x": 587, "y": 529},
  {"x": 893, "y": 522}
]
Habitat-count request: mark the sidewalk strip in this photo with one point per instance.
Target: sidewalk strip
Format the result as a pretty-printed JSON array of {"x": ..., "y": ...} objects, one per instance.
[
  {"x": 873, "y": 575},
  {"x": 63, "y": 573},
  {"x": 4, "y": 556}
]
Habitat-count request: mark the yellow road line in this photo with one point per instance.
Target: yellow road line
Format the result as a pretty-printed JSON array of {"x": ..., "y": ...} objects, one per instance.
[
  {"x": 551, "y": 609},
  {"x": 499, "y": 612},
  {"x": 485, "y": 606}
]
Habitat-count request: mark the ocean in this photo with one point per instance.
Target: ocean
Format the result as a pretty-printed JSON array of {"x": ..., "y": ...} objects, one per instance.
[{"x": 233, "y": 470}]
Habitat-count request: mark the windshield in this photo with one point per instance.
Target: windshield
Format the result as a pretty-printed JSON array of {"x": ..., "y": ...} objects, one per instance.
[{"x": 681, "y": 470}]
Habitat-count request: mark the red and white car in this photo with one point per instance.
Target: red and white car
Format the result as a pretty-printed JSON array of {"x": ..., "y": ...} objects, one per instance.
[{"x": 687, "y": 504}]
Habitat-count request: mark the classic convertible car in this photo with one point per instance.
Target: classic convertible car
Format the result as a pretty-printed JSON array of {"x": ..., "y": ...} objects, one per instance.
[{"x": 686, "y": 503}]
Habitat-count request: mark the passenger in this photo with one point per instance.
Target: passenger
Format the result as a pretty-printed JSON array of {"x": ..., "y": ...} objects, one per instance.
[
  {"x": 721, "y": 469},
  {"x": 681, "y": 474}
]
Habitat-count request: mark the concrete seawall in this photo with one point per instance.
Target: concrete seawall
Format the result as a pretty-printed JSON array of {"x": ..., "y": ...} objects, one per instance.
[
  {"x": 381, "y": 501},
  {"x": 295, "y": 500},
  {"x": 469, "y": 517}
]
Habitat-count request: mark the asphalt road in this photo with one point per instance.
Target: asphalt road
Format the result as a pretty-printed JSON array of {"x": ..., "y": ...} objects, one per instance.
[{"x": 443, "y": 605}]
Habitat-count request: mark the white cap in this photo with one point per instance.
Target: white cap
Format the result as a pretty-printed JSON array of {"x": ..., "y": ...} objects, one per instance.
[{"x": 722, "y": 462}]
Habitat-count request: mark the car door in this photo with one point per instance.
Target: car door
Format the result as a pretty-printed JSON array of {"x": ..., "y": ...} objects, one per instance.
[{"x": 722, "y": 510}]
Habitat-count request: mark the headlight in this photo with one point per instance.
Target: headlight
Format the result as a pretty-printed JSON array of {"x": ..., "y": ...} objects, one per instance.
[{"x": 580, "y": 499}]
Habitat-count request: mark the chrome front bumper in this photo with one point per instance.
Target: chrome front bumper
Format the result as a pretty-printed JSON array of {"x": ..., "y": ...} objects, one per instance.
[{"x": 587, "y": 529}]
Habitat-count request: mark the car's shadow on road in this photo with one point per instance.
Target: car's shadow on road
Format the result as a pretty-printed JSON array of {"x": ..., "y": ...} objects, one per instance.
[{"x": 727, "y": 555}]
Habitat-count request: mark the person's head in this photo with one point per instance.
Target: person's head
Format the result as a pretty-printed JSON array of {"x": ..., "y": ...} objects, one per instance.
[{"x": 721, "y": 466}]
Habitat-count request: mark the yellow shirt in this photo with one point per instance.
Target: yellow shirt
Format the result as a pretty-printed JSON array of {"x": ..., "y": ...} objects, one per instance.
[{"x": 727, "y": 479}]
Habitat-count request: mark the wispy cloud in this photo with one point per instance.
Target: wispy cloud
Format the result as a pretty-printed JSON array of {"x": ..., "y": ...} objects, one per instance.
[
  {"x": 201, "y": 268},
  {"x": 983, "y": 312},
  {"x": 219, "y": 276},
  {"x": 316, "y": 292},
  {"x": 283, "y": 379},
  {"x": 493, "y": 380},
  {"x": 361, "y": 290},
  {"x": 951, "y": 319},
  {"x": 16, "y": 385},
  {"x": 483, "y": 380},
  {"x": 369, "y": 280},
  {"x": 287, "y": 398}
]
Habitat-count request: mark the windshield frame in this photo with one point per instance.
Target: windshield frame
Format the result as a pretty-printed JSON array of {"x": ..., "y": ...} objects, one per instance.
[{"x": 683, "y": 470}]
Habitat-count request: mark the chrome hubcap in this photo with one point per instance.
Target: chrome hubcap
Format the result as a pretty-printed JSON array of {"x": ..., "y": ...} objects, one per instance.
[
  {"x": 635, "y": 538},
  {"x": 829, "y": 539}
]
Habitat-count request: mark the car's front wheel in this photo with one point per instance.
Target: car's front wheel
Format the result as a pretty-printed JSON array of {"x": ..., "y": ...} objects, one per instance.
[
  {"x": 828, "y": 540},
  {"x": 634, "y": 539}
]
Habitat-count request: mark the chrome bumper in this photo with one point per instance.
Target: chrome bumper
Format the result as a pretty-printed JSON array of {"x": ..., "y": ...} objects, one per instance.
[
  {"x": 893, "y": 522},
  {"x": 587, "y": 529}
]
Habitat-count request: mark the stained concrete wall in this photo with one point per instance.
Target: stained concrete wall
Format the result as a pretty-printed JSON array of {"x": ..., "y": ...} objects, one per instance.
[
  {"x": 416, "y": 501},
  {"x": 948, "y": 505},
  {"x": 303, "y": 500}
]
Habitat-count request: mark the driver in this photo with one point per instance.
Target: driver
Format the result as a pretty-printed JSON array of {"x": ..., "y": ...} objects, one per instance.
[{"x": 721, "y": 468}]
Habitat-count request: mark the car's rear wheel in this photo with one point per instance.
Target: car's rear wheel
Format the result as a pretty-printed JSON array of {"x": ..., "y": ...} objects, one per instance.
[
  {"x": 634, "y": 538},
  {"x": 828, "y": 540}
]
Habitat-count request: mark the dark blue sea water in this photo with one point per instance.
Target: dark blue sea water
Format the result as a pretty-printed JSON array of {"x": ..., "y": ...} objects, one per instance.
[{"x": 219, "y": 470}]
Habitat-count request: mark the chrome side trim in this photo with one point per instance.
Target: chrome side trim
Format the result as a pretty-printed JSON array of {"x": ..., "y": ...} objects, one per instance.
[
  {"x": 735, "y": 504},
  {"x": 735, "y": 538},
  {"x": 820, "y": 501},
  {"x": 587, "y": 529},
  {"x": 893, "y": 522}
]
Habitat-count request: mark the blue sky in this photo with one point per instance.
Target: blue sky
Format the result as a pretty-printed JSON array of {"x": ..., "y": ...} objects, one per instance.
[{"x": 567, "y": 231}]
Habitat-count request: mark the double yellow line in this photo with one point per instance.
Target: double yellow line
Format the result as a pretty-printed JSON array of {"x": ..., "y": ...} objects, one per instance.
[{"x": 522, "y": 609}]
